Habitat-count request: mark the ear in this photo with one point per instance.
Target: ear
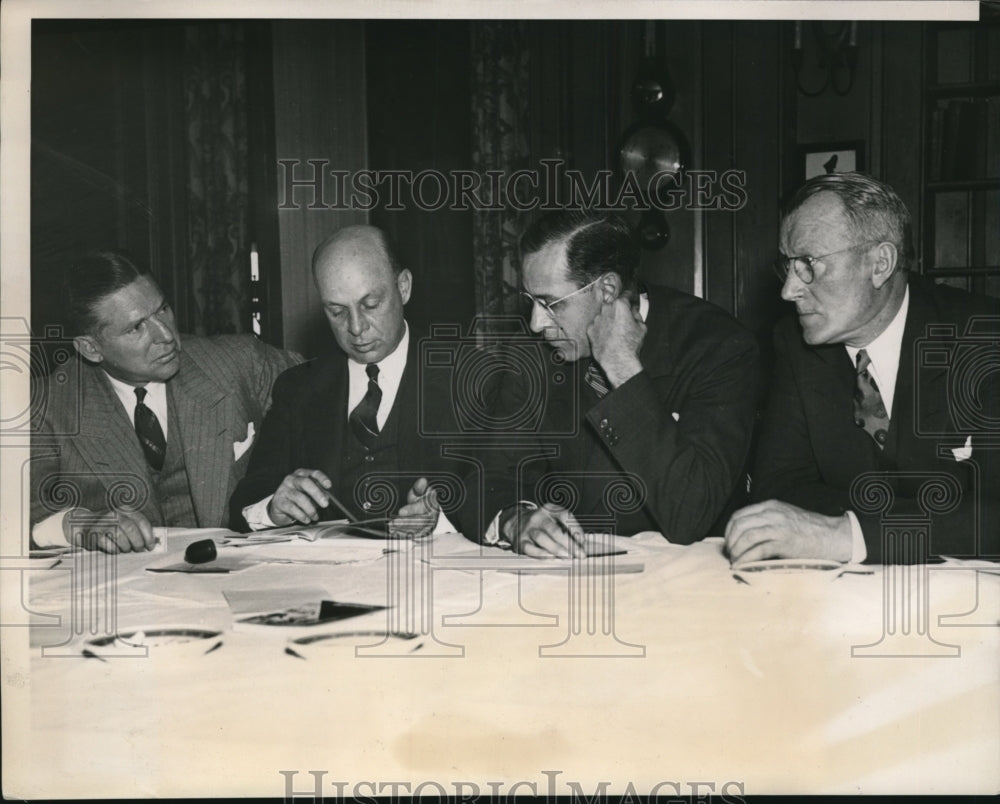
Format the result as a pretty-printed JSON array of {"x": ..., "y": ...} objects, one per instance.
[
  {"x": 88, "y": 347},
  {"x": 610, "y": 286},
  {"x": 404, "y": 281},
  {"x": 886, "y": 259}
]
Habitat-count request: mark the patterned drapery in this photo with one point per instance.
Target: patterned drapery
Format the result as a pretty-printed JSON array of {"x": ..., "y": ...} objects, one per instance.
[
  {"x": 500, "y": 142},
  {"x": 215, "y": 101}
]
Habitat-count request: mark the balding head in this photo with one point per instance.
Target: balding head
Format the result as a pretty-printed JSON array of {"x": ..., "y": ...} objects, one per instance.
[
  {"x": 363, "y": 290},
  {"x": 355, "y": 242}
]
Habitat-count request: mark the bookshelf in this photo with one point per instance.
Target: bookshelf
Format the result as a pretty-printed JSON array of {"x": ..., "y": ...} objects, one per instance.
[{"x": 960, "y": 206}]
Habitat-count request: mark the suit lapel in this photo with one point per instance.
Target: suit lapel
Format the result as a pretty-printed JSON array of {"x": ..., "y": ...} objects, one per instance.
[
  {"x": 107, "y": 439},
  {"x": 405, "y": 409},
  {"x": 929, "y": 402},
  {"x": 204, "y": 413},
  {"x": 828, "y": 388},
  {"x": 326, "y": 428}
]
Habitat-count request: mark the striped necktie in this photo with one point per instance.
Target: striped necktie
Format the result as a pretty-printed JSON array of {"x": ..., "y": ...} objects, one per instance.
[
  {"x": 363, "y": 418},
  {"x": 596, "y": 379},
  {"x": 147, "y": 427}
]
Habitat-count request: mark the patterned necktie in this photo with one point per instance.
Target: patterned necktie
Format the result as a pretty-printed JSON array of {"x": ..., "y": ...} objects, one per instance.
[
  {"x": 147, "y": 427},
  {"x": 869, "y": 409},
  {"x": 363, "y": 418},
  {"x": 597, "y": 380}
]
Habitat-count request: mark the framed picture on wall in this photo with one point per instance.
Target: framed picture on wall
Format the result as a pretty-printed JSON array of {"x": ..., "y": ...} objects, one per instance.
[{"x": 831, "y": 157}]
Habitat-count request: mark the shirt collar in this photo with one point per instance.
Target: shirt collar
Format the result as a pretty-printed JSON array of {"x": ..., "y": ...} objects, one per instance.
[
  {"x": 392, "y": 364},
  {"x": 884, "y": 350},
  {"x": 126, "y": 392}
]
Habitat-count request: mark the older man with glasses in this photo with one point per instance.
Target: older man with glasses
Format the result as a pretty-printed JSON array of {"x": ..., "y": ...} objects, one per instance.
[
  {"x": 884, "y": 383},
  {"x": 654, "y": 432}
]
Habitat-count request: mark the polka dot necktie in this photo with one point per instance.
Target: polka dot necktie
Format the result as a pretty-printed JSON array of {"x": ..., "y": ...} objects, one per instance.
[
  {"x": 363, "y": 418},
  {"x": 147, "y": 427},
  {"x": 597, "y": 380},
  {"x": 869, "y": 409}
]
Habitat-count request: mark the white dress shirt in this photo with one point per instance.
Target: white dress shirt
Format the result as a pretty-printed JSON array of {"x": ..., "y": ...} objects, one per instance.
[
  {"x": 156, "y": 400},
  {"x": 390, "y": 374},
  {"x": 884, "y": 354}
]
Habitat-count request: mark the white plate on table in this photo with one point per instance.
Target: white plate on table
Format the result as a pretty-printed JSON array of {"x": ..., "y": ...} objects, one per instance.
[
  {"x": 788, "y": 570},
  {"x": 159, "y": 641}
]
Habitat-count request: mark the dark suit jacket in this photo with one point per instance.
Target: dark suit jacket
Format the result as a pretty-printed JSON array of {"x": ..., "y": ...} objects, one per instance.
[
  {"x": 84, "y": 447},
  {"x": 811, "y": 452},
  {"x": 307, "y": 427},
  {"x": 699, "y": 364}
]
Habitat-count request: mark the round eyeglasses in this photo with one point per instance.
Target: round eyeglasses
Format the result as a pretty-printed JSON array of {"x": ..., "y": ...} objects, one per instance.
[
  {"x": 549, "y": 307},
  {"x": 805, "y": 266}
]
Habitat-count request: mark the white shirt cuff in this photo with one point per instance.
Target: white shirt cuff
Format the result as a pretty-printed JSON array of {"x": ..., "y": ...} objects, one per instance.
[
  {"x": 859, "y": 551},
  {"x": 443, "y": 525},
  {"x": 492, "y": 535},
  {"x": 49, "y": 532},
  {"x": 256, "y": 514}
]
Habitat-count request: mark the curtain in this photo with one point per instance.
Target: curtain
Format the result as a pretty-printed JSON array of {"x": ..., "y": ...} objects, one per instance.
[
  {"x": 215, "y": 105},
  {"x": 499, "y": 142}
]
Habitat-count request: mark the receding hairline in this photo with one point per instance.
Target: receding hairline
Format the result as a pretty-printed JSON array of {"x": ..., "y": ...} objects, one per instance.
[{"x": 354, "y": 240}]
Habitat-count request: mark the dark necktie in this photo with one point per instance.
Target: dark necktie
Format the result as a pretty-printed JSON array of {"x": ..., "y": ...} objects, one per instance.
[
  {"x": 147, "y": 427},
  {"x": 869, "y": 409},
  {"x": 596, "y": 379},
  {"x": 363, "y": 418}
]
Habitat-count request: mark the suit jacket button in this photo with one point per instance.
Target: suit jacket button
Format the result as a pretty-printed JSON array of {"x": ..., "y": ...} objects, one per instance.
[{"x": 366, "y": 505}]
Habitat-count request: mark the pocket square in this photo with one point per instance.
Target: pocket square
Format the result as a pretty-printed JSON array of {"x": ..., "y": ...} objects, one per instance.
[
  {"x": 963, "y": 453},
  {"x": 240, "y": 447}
]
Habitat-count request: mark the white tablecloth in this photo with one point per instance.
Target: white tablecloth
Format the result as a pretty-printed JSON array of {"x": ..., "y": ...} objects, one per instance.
[{"x": 675, "y": 676}]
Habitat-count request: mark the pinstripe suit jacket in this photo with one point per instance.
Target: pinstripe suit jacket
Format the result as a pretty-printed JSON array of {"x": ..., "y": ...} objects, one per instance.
[{"x": 85, "y": 451}]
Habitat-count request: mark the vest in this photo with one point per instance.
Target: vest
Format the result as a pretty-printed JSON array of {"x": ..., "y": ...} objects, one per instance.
[
  {"x": 171, "y": 487},
  {"x": 369, "y": 481}
]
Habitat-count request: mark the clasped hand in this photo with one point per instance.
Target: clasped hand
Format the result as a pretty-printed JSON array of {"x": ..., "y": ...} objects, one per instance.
[
  {"x": 304, "y": 492},
  {"x": 109, "y": 532},
  {"x": 775, "y": 529},
  {"x": 543, "y": 532},
  {"x": 616, "y": 335}
]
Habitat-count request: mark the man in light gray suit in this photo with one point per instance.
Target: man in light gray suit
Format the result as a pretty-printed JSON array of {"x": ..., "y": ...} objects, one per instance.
[{"x": 141, "y": 432}]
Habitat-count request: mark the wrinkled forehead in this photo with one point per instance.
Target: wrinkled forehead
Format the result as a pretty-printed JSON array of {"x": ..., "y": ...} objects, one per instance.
[
  {"x": 128, "y": 305},
  {"x": 820, "y": 220},
  {"x": 350, "y": 274}
]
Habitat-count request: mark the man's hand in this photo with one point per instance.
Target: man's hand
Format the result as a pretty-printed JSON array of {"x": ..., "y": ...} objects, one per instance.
[
  {"x": 616, "y": 335},
  {"x": 420, "y": 514},
  {"x": 111, "y": 532},
  {"x": 299, "y": 497},
  {"x": 544, "y": 532},
  {"x": 774, "y": 529}
]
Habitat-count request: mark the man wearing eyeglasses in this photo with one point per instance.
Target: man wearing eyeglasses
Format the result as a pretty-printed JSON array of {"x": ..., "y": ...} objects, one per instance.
[
  {"x": 853, "y": 402},
  {"x": 665, "y": 393}
]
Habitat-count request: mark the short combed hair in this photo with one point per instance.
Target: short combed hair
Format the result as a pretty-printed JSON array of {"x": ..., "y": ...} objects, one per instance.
[
  {"x": 873, "y": 208},
  {"x": 91, "y": 277},
  {"x": 595, "y": 244}
]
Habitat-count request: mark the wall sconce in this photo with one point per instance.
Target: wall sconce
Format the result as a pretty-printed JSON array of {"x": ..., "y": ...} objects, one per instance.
[{"x": 837, "y": 57}]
